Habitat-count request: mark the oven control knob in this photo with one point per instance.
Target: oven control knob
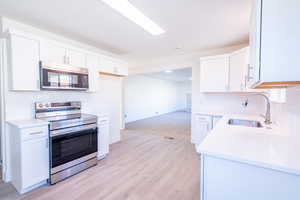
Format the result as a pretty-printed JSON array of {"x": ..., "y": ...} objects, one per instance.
[
  {"x": 47, "y": 105},
  {"x": 40, "y": 105}
]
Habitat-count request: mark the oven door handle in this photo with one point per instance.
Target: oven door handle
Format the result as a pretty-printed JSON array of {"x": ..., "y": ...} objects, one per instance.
[{"x": 72, "y": 130}]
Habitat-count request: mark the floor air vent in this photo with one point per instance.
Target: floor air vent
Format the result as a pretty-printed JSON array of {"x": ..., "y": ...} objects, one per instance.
[{"x": 169, "y": 138}]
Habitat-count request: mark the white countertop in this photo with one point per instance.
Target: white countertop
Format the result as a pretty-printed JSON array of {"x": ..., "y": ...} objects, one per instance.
[
  {"x": 28, "y": 123},
  {"x": 269, "y": 148}
]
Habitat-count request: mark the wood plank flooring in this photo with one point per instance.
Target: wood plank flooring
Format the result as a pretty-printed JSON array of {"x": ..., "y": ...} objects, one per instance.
[{"x": 146, "y": 165}]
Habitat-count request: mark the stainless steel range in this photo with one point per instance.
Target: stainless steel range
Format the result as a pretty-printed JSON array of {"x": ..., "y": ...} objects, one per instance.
[{"x": 73, "y": 138}]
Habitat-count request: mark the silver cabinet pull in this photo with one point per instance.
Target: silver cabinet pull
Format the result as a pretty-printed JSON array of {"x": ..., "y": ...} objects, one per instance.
[
  {"x": 36, "y": 133},
  {"x": 248, "y": 73}
]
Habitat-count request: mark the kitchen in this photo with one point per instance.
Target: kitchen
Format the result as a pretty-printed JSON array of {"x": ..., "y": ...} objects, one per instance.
[{"x": 245, "y": 113}]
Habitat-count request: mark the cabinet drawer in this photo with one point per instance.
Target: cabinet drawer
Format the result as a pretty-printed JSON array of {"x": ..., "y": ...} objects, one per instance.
[
  {"x": 33, "y": 133},
  {"x": 103, "y": 121}
]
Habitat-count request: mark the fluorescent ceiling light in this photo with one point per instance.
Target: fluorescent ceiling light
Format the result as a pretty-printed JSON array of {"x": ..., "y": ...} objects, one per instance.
[
  {"x": 168, "y": 71},
  {"x": 128, "y": 10}
]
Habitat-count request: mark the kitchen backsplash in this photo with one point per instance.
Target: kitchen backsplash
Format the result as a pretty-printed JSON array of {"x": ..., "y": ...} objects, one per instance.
[{"x": 287, "y": 115}]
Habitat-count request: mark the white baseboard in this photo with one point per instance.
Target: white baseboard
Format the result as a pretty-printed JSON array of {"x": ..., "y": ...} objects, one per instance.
[{"x": 156, "y": 115}]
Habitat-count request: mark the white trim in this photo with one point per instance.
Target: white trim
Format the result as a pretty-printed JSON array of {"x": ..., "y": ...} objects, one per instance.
[{"x": 2, "y": 108}]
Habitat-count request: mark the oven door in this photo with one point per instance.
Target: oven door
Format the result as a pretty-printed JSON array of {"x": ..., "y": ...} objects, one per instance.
[
  {"x": 73, "y": 148},
  {"x": 63, "y": 78}
]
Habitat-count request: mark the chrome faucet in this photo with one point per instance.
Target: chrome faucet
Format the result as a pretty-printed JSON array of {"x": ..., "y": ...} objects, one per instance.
[{"x": 268, "y": 111}]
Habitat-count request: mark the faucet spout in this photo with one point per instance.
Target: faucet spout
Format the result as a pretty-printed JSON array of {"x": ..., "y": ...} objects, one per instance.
[{"x": 268, "y": 109}]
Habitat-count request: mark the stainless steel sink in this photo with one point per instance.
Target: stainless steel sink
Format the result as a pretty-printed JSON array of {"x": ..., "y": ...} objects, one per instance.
[{"x": 248, "y": 123}]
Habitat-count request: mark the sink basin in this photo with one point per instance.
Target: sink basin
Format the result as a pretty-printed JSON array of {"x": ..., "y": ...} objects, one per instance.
[{"x": 248, "y": 123}]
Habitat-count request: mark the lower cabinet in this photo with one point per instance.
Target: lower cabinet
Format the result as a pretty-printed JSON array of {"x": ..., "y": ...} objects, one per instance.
[
  {"x": 202, "y": 126},
  {"x": 29, "y": 148},
  {"x": 35, "y": 168},
  {"x": 227, "y": 179},
  {"x": 103, "y": 137}
]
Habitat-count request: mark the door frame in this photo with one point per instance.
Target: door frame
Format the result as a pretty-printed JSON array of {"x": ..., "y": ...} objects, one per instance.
[{"x": 2, "y": 109}]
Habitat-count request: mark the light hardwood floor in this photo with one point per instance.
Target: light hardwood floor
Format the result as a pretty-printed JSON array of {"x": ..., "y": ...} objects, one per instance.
[{"x": 146, "y": 165}]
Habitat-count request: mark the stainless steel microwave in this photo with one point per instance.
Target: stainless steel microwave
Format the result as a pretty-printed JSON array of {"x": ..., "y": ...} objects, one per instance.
[{"x": 63, "y": 77}]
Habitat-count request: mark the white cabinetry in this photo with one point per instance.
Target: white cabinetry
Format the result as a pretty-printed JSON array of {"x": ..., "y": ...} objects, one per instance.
[
  {"x": 112, "y": 66},
  {"x": 107, "y": 65},
  {"x": 214, "y": 74},
  {"x": 227, "y": 179},
  {"x": 274, "y": 43},
  {"x": 59, "y": 54},
  {"x": 53, "y": 53},
  {"x": 103, "y": 137},
  {"x": 202, "y": 126},
  {"x": 24, "y": 63},
  {"x": 227, "y": 73},
  {"x": 93, "y": 65},
  {"x": 25, "y": 51},
  {"x": 238, "y": 62},
  {"x": 29, "y": 148},
  {"x": 76, "y": 58}
]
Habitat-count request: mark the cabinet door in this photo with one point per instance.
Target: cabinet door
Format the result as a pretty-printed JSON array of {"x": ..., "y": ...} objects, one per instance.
[
  {"x": 24, "y": 60},
  {"x": 253, "y": 75},
  {"x": 103, "y": 140},
  {"x": 203, "y": 124},
  {"x": 92, "y": 64},
  {"x": 122, "y": 68},
  {"x": 237, "y": 68},
  {"x": 107, "y": 65},
  {"x": 35, "y": 161},
  {"x": 76, "y": 58},
  {"x": 53, "y": 53},
  {"x": 214, "y": 74}
]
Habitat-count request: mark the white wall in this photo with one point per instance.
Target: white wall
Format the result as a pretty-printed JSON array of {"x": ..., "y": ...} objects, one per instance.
[
  {"x": 185, "y": 89},
  {"x": 287, "y": 115},
  {"x": 147, "y": 97}
]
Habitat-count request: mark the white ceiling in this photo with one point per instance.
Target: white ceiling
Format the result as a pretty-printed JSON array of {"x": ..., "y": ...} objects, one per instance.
[
  {"x": 179, "y": 75},
  {"x": 192, "y": 25}
]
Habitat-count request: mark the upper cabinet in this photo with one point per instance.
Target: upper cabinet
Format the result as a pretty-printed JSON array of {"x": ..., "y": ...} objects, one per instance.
[
  {"x": 225, "y": 73},
  {"x": 214, "y": 74},
  {"x": 76, "y": 58},
  {"x": 112, "y": 66},
  {"x": 274, "y": 43},
  {"x": 54, "y": 53},
  {"x": 93, "y": 66},
  {"x": 238, "y": 62},
  {"x": 25, "y": 51},
  {"x": 24, "y": 56}
]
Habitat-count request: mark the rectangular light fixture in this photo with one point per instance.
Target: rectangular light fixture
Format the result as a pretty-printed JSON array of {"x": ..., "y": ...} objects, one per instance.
[{"x": 128, "y": 10}]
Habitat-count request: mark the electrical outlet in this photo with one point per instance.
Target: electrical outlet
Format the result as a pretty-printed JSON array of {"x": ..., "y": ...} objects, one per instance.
[{"x": 125, "y": 115}]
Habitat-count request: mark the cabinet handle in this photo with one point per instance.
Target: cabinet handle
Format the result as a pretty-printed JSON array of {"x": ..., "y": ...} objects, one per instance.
[
  {"x": 248, "y": 73},
  {"x": 103, "y": 121},
  {"x": 36, "y": 133},
  {"x": 47, "y": 143}
]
